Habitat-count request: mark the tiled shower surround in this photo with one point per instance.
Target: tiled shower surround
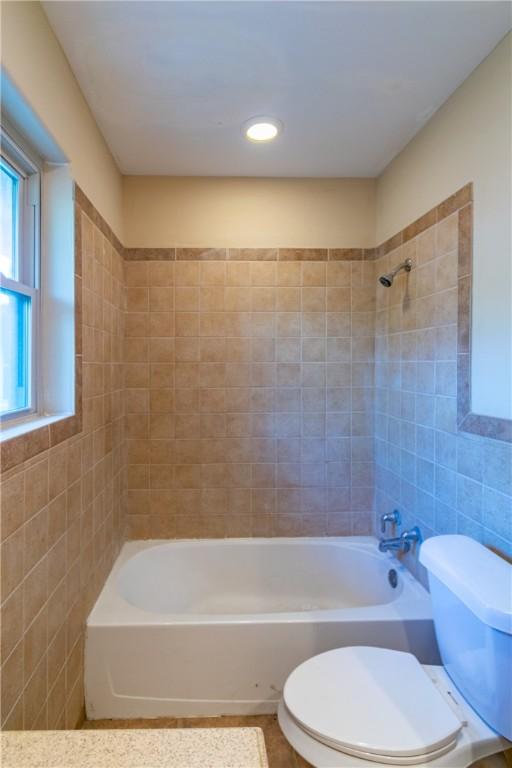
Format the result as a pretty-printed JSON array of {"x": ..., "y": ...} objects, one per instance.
[
  {"x": 62, "y": 513},
  {"x": 249, "y": 396},
  {"x": 443, "y": 480},
  {"x": 264, "y": 425}
]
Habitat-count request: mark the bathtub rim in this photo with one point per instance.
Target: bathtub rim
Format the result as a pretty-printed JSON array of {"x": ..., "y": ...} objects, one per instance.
[{"x": 111, "y": 609}]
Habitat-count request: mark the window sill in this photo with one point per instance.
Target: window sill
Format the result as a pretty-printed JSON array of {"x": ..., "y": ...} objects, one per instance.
[{"x": 29, "y": 425}]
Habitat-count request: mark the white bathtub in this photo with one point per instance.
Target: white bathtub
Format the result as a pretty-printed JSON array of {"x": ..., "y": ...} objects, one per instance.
[{"x": 190, "y": 628}]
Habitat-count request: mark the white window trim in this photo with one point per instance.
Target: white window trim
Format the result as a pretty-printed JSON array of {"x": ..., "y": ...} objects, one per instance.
[
  {"x": 27, "y": 165},
  {"x": 54, "y": 282}
]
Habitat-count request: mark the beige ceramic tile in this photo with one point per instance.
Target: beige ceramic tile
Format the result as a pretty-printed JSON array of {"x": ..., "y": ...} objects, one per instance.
[{"x": 56, "y": 492}]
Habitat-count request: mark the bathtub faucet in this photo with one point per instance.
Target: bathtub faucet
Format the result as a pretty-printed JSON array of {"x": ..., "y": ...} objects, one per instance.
[
  {"x": 390, "y": 517},
  {"x": 401, "y": 543}
]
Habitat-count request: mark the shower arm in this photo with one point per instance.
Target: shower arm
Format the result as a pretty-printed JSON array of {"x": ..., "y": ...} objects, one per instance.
[{"x": 405, "y": 265}]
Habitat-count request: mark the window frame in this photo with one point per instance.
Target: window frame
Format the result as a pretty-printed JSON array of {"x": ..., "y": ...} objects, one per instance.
[{"x": 27, "y": 167}]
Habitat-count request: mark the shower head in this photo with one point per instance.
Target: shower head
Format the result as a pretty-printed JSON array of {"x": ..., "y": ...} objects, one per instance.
[{"x": 387, "y": 280}]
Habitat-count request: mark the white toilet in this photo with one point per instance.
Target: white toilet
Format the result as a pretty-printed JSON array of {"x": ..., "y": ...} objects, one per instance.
[{"x": 361, "y": 707}]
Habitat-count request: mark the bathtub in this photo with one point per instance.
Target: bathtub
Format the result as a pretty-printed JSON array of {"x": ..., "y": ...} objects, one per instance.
[{"x": 212, "y": 627}]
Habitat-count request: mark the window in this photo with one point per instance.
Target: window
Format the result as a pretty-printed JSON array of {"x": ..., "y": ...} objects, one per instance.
[{"x": 19, "y": 279}]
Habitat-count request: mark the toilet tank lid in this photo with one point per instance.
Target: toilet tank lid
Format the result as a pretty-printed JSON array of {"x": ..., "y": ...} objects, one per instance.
[{"x": 479, "y": 578}]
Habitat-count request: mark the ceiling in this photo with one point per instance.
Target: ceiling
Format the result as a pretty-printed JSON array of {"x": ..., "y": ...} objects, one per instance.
[{"x": 171, "y": 83}]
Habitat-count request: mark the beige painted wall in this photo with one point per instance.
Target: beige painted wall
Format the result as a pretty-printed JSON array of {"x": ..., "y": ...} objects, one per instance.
[
  {"x": 35, "y": 62},
  {"x": 228, "y": 212},
  {"x": 469, "y": 139}
]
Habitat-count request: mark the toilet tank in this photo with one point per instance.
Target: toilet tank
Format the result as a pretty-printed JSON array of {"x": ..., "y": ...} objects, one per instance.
[{"x": 471, "y": 591}]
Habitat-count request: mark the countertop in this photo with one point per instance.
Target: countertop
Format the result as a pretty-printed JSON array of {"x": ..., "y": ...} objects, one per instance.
[{"x": 148, "y": 748}]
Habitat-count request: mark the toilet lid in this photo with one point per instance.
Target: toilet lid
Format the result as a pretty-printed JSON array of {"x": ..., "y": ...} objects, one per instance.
[{"x": 373, "y": 703}]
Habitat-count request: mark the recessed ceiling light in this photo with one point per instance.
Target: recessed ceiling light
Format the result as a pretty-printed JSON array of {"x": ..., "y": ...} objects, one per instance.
[{"x": 260, "y": 129}]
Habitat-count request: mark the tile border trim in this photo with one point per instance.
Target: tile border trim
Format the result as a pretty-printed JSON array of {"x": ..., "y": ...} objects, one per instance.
[
  {"x": 467, "y": 421},
  {"x": 97, "y": 219},
  {"x": 461, "y": 202},
  {"x": 458, "y": 200},
  {"x": 249, "y": 254}
]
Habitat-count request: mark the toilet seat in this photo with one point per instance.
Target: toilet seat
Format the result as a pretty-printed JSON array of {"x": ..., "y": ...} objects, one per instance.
[
  {"x": 476, "y": 741},
  {"x": 375, "y": 704}
]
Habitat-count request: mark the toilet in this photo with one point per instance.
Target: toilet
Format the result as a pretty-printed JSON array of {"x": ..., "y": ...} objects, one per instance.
[{"x": 360, "y": 707}]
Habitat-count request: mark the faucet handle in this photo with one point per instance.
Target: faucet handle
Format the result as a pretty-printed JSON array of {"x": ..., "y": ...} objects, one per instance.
[
  {"x": 390, "y": 517},
  {"x": 413, "y": 536}
]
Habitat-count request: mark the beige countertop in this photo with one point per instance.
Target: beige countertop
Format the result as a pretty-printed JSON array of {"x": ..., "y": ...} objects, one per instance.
[{"x": 148, "y": 748}]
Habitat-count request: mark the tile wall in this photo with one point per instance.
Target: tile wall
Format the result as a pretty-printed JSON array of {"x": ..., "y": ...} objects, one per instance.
[
  {"x": 249, "y": 395},
  {"x": 443, "y": 480},
  {"x": 62, "y": 516}
]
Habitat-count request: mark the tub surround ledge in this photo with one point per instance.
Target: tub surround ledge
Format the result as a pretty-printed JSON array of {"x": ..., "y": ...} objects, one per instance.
[{"x": 169, "y": 748}]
